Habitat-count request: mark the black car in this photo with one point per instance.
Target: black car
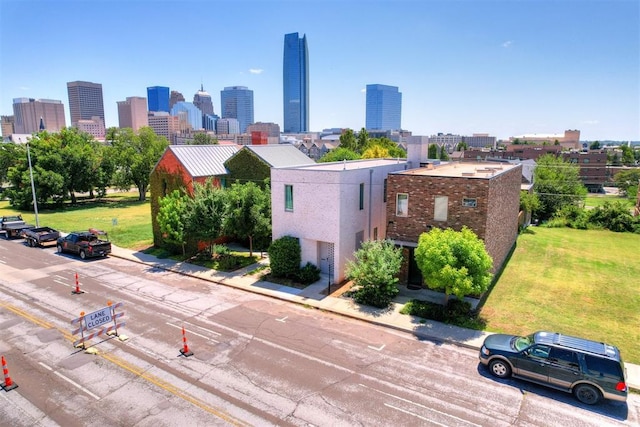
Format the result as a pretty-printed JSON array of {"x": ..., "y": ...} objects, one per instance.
[{"x": 590, "y": 370}]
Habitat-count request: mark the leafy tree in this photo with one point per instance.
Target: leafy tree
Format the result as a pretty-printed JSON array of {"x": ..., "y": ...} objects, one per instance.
[
  {"x": 284, "y": 257},
  {"x": 613, "y": 216},
  {"x": 106, "y": 168},
  {"x": 137, "y": 155},
  {"x": 627, "y": 157},
  {"x": 338, "y": 155},
  {"x": 432, "y": 151},
  {"x": 557, "y": 184},
  {"x": 348, "y": 141},
  {"x": 392, "y": 148},
  {"x": 462, "y": 146},
  {"x": 201, "y": 138},
  {"x": 78, "y": 161},
  {"x": 205, "y": 219},
  {"x": 529, "y": 202},
  {"x": 248, "y": 214},
  {"x": 595, "y": 145},
  {"x": 627, "y": 181},
  {"x": 172, "y": 217},
  {"x": 363, "y": 140},
  {"x": 443, "y": 153},
  {"x": 374, "y": 272},
  {"x": 10, "y": 154},
  {"x": 455, "y": 262},
  {"x": 376, "y": 152}
]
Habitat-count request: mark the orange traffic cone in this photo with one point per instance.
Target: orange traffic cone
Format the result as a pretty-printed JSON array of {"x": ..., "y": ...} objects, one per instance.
[
  {"x": 185, "y": 348},
  {"x": 7, "y": 384},
  {"x": 77, "y": 289}
]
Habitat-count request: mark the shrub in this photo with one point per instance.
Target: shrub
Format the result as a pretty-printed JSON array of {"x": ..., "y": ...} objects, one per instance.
[
  {"x": 220, "y": 250},
  {"x": 456, "y": 312},
  {"x": 309, "y": 274},
  {"x": 227, "y": 262},
  {"x": 284, "y": 257},
  {"x": 612, "y": 216}
]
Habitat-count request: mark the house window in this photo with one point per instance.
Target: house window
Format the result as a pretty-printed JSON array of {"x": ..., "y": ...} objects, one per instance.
[
  {"x": 469, "y": 203},
  {"x": 362, "y": 196},
  {"x": 402, "y": 204},
  {"x": 585, "y": 160},
  {"x": 288, "y": 198},
  {"x": 441, "y": 207},
  {"x": 384, "y": 191},
  {"x": 375, "y": 233}
]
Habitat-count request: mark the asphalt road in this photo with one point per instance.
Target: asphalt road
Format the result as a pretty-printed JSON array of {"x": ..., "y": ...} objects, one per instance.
[{"x": 256, "y": 361}]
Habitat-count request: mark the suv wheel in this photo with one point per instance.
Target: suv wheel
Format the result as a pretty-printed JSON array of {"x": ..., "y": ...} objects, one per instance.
[
  {"x": 500, "y": 368},
  {"x": 83, "y": 254},
  {"x": 59, "y": 249},
  {"x": 587, "y": 394}
]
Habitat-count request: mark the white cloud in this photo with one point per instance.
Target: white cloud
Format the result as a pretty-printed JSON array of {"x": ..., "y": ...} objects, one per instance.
[
  {"x": 363, "y": 90},
  {"x": 256, "y": 70},
  {"x": 507, "y": 44}
]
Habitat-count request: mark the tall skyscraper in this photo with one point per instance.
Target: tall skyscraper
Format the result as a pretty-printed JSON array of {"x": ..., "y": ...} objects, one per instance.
[
  {"x": 158, "y": 98},
  {"x": 237, "y": 103},
  {"x": 27, "y": 113},
  {"x": 202, "y": 100},
  {"x": 132, "y": 113},
  {"x": 7, "y": 123},
  {"x": 175, "y": 98},
  {"x": 190, "y": 111},
  {"x": 384, "y": 107},
  {"x": 85, "y": 101},
  {"x": 295, "y": 79}
]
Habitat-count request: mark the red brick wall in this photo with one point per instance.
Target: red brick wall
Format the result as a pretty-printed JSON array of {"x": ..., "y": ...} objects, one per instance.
[{"x": 494, "y": 219}]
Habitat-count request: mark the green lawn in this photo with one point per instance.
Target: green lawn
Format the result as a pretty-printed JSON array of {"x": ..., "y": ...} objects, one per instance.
[
  {"x": 578, "y": 282},
  {"x": 127, "y": 220},
  {"x": 593, "y": 201}
]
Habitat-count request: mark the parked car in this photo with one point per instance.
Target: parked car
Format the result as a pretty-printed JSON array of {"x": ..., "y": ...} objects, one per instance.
[
  {"x": 13, "y": 225},
  {"x": 590, "y": 370},
  {"x": 83, "y": 243}
]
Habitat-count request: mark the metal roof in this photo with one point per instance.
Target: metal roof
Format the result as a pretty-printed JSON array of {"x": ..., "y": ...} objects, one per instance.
[
  {"x": 204, "y": 160},
  {"x": 281, "y": 155}
]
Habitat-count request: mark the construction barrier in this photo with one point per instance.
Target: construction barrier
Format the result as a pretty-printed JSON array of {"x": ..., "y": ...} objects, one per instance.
[
  {"x": 97, "y": 319},
  {"x": 7, "y": 385},
  {"x": 185, "y": 348}
]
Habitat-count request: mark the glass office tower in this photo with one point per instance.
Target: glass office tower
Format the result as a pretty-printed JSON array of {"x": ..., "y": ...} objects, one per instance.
[
  {"x": 295, "y": 79},
  {"x": 384, "y": 107},
  {"x": 158, "y": 98},
  {"x": 85, "y": 101},
  {"x": 237, "y": 103}
]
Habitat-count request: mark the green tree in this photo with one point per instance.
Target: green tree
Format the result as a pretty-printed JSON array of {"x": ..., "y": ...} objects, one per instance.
[
  {"x": 348, "y": 141},
  {"x": 443, "y": 153},
  {"x": 205, "y": 219},
  {"x": 172, "y": 217},
  {"x": 136, "y": 157},
  {"x": 376, "y": 152},
  {"x": 362, "y": 140},
  {"x": 455, "y": 262},
  {"x": 10, "y": 154},
  {"x": 338, "y": 155},
  {"x": 627, "y": 158},
  {"x": 432, "y": 151},
  {"x": 627, "y": 181},
  {"x": 80, "y": 162},
  {"x": 374, "y": 272},
  {"x": 248, "y": 214},
  {"x": 595, "y": 145},
  {"x": 201, "y": 138},
  {"x": 392, "y": 148},
  {"x": 462, "y": 146},
  {"x": 557, "y": 184},
  {"x": 529, "y": 202},
  {"x": 613, "y": 216}
]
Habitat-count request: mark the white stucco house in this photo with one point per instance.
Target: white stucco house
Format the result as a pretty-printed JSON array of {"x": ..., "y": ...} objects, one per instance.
[{"x": 331, "y": 208}]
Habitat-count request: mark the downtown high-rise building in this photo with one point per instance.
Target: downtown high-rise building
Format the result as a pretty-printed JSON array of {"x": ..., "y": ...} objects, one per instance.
[
  {"x": 132, "y": 113},
  {"x": 189, "y": 113},
  {"x": 174, "y": 98},
  {"x": 295, "y": 79},
  {"x": 236, "y": 102},
  {"x": 30, "y": 115},
  {"x": 384, "y": 107},
  {"x": 202, "y": 100},
  {"x": 158, "y": 98},
  {"x": 85, "y": 101}
]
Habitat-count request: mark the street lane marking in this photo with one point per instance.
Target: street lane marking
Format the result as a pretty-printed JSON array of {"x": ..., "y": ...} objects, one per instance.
[
  {"x": 377, "y": 348},
  {"x": 282, "y": 320},
  {"x": 419, "y": 405},
  {"x": 26, "y": 315},
  {"x": 70, "y": 381},
  {"x": 194, "y": 333},
  {"x": 414, "y": 414}
]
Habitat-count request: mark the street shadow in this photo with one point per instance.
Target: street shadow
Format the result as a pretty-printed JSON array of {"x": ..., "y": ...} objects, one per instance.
[{"x": 618, "y": 411}]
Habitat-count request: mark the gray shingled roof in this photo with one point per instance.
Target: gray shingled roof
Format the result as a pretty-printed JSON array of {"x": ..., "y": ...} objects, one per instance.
[
  {"x": 280, "y": 155},
  {"x": 204, "y": 160}
]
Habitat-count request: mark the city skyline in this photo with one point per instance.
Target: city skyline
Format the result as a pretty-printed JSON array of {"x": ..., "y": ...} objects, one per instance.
[
  {"x": 504, "y": 68},
  {"x": 295, "y": 84}
]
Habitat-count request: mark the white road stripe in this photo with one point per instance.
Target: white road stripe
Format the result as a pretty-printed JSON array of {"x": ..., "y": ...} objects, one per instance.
[
  {"x": 377, "y": 348},
  {"x": 413, "y": 414},
  {"x": 402, "y": 399},
  {"x": 192, "y": 333},
  {"x": 70, "y": 381}
]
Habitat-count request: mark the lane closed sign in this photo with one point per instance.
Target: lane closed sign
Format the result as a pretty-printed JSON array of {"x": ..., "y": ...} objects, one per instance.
[{"x": 98, "y": 318}]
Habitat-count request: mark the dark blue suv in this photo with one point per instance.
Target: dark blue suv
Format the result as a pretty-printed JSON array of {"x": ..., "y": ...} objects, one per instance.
[{"x": 590, "y": 370}]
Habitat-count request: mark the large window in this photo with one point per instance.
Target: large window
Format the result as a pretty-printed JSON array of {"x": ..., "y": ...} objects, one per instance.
[
  {"x": 469, "y": 202},
  {"x": 384, "y": 191},
  {"x": 361, "y": 196},
  {"x": 441, "y": 208},
  {"x": 402, "y": 204},
  {"x": 288, "y": 198}
]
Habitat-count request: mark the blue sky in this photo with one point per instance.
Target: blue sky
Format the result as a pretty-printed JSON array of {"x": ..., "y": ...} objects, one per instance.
[{"x": 500, "y": 67}]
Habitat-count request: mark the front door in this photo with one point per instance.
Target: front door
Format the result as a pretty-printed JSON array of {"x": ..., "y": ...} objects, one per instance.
[{"x": 534, "y": 363}]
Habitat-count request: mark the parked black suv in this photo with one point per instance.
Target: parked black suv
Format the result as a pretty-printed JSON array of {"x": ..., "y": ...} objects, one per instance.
[{"x": 590, "y": 370}]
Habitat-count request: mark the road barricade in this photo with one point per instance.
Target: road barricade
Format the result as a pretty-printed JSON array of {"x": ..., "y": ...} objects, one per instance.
[{"x": 100, "y": 322}]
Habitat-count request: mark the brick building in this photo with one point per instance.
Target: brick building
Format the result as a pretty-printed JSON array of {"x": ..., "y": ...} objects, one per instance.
[{"x": 483, "y": 196}]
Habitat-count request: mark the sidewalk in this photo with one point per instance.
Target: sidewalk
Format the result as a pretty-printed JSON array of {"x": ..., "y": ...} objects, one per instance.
[{"x": 315, "y": 295}]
